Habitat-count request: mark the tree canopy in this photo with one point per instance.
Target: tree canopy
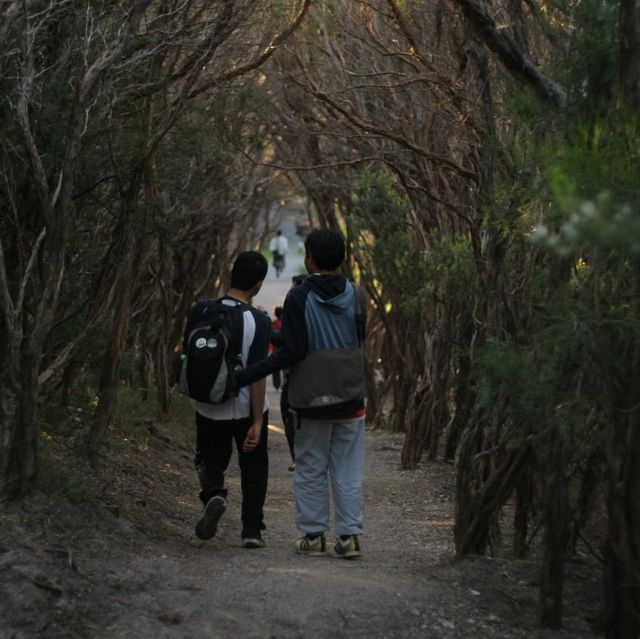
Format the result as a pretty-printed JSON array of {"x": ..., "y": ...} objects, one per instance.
[{"x": 482, "y": 159}]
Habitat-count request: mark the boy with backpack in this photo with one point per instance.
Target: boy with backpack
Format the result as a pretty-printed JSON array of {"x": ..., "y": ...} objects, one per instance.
[
  {"x": 220, "y": 336},
  {"x": 322, "y": 336}
]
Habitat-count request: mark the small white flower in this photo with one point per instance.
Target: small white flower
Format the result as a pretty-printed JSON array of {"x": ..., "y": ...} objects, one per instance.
[
  {"x": 539, "y": 233},
  {"x": 569, "y": 231},
  {"x": 589, "y": 210},
  {"x": 553, "y": 242}
]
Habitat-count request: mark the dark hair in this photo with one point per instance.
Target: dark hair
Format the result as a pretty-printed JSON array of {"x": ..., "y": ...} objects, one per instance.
[
  {"x": 277, "y": 311},
  {"x": 326, "y": 247},
  {"x": 249, "y": 268}
]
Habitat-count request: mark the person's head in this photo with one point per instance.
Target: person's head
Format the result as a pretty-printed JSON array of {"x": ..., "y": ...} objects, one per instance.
[
  {"x": 277, "y": 311},
  {"x": 324, "y": 250},
  {"x": 296, "y": 280},
  {"x": 248, "y": 272},
  {"x": 278, "y": 232}
]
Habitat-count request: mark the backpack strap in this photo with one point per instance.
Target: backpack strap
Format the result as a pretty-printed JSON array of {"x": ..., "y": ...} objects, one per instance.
[
  {"x": 194, "y": 316},
  {"x": 198, "y": 314}
]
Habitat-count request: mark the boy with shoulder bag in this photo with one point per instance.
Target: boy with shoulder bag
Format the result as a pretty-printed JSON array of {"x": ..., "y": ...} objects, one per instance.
[{"x": 323, "y": 329}]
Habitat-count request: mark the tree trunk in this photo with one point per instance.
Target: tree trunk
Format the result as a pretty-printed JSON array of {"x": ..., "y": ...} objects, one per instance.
[
  {"x": 464, "y": 400},
  {"x": 163, "y": 354},
  {"x": 630, "y": 52},
  {"x": 521, "y": 514},
  {"x": 471, "y": 533},
  {"x": 480, "y": 496},
  {"x": 400, "y": 405},
  {"x": 415, "y": 433},
  {"x": 24, "y": 343},
  {"x": 19, "y": 463},
  {"x": 516, "y": 59},
  {"x": 162, "y": 373},
  {"x": 69, "y": 375},
  {"x": 556, "y": 513},
  {"x": 143, "y": 376},
  {"x": 622, "y": 568},
  {"x": 110, "y": 377},
  {"x": 588, "y": 488}
]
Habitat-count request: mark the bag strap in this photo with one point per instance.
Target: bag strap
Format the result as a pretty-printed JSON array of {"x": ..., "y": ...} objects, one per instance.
[
  {"x": 237, "y": 305},
  {"x": 198, "y": 314}
]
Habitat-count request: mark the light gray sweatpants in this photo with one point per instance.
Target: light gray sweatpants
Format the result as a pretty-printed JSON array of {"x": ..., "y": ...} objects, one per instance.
[{"x": 334, "y": 449}]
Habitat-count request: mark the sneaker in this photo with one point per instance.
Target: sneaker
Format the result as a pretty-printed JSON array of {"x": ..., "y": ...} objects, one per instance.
[
  {"x": 347, "y": 548},
  {"x": 316, "y": 547},
  {"x": 207, "y": 524},
  {"x": 253, "y": 542}
]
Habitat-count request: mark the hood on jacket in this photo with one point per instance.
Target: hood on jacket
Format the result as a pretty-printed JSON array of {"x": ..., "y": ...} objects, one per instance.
[{"x": 331, "y": 291}]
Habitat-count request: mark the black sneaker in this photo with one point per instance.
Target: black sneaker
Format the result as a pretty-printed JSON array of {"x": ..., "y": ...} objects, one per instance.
[
  {"x": 254, "y": 541},
  {"x": 207, "y": 524}
]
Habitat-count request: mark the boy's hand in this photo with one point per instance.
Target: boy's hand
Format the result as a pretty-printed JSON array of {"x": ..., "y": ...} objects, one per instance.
[{"x": 252, "y": 438}]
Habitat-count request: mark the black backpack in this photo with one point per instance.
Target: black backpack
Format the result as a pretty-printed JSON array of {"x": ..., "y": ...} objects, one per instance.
[{"x": 212, "y": 347}]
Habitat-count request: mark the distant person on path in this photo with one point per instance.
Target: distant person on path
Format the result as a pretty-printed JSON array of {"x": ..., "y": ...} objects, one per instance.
[
  {"x": 279, "y": 246},
  {"x": 323, "y": 327},
  {"x": 243, "y": 418}
]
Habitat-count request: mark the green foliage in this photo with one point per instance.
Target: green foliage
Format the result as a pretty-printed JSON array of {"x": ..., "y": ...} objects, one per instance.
[
  {"x": 591, "y": 65},
  {"x": 543, "y": 383},
  {"x": 63, "y": 476},
  {"x": 409, "y": 274},
  {"x": 452, "y": 261},
  {"x": 595, "y": 156},
  {"x": 67, "y": 468},
  {"x": 612, "y": 229},
  {"x": 133, "y": 413},
  {"x": 379, "y": 219},
  {"x": 573, "y": 193}
]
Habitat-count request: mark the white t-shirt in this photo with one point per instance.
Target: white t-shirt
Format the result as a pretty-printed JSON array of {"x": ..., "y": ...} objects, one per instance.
[
  {"x": 279, "y": 244},
  {"x": 240, "y": 406}
]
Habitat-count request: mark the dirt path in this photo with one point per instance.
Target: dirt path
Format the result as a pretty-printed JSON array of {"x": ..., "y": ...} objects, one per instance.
[
  {"x": 218, "y": 589},
  {"x": 131, "y": 566},
  {"x": 274, "y": 289},
  {"x": 136, "y": 569}
]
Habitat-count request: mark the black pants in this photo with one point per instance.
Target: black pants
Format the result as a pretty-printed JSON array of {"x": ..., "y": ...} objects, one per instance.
[{"x": 213, "y": 453}]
